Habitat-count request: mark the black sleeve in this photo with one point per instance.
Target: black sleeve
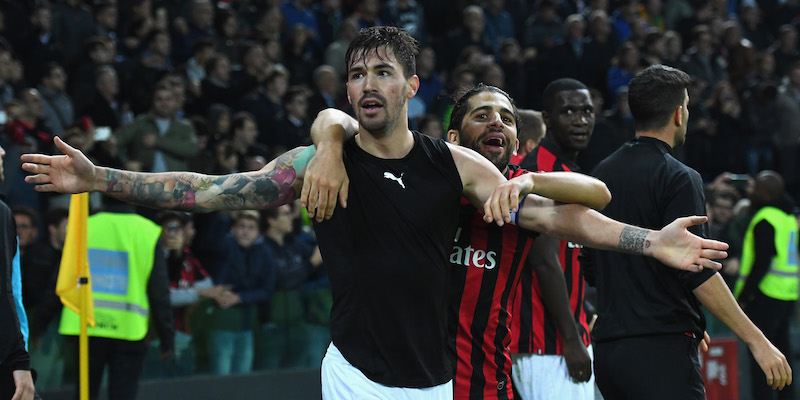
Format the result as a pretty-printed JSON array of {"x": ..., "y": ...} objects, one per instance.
[
  {"x": 764, "y": 236},
  {"x": 158, "y": 297},
  {"x": 12, "y": 345}
]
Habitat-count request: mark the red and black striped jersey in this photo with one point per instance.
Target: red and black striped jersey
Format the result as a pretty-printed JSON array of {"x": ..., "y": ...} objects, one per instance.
[
  {"x": 533, "y": 329},
  {"x": 487, "y": 261}
]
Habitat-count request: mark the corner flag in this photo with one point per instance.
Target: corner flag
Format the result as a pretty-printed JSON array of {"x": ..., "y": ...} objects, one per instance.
[{"x": 75, "y": 261}]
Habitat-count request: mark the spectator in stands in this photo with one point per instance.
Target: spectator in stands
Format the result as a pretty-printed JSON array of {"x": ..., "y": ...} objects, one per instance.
[
  {"x": 327, "y": 90},
  {"x": 512, "y": 61},
  {"x": 38, "y": 44},
  {"x": 334, "y": 53},
  {"x": 763, "y": 118},
  {"x": 154, "y": 63},
  {"x": 787, "y": 138},
  {"x": 31, "y": 121},
  {"x": 202, "y": 50},
  {"x": 244, "y": 133},
  {"x": 296, "y": 125},
  {"x": 158, "y": 141},
  {"x": 753, "y": 28},
  {"x": 6, "y": 89},
  {"x": 105, "y": 108},
  {"x": 249, "y": 269},
  {"x": 409, "y": 15},
  {"x": 702, "y": 63},
  {"x": 623, "y": 68},
  {"x": 254, "y": 65},
  {"x": 329, "y": 19},
  {"x": 58, "y": 112},
  {"x": 785, "y": 50},
  {"x": 544, "y": 29},
  {"x": 471, "y": 33},
  {"x": 228, "y": 40},
  {"x": 201, "y": 25},
  {"x": 105, "y": 20},
  {"x": 219, "y": 87},
  {"x": 499, "y": 24},
  {"x": 72, "y": 25},
  {"x": 368, "y": 13},
  {"x": 27, "y": 221},
  {"x": 674, "y": 48},
  {"x": 299, "y": 12},
  {"x": 189, "y": 282},
  {"x": 299, "y": 56},
  {"x": 266, "y": 104},
  {"x": 284, "y": 332},
  {"x": 739, "y": 53}
]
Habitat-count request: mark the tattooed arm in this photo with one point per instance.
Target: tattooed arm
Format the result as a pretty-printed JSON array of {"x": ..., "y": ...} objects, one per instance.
[
  {"x": 275, "y": 184},
  {"x": 673, "y": 245}
]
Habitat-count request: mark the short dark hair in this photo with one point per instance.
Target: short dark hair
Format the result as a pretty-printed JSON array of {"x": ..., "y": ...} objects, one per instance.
[
  {"x": 202, "y": 43},
  {"x": 557, "y": 86},
  {"x": 26, "y": 211},
  {"x": 238, "y": 120},
  {"x": 55, "y": 216},
  {"x": 654, "y": 93},
  {"x": 461, "y": 107},
  {"x": 50, "y": 67},
  {"x": 403, "y": 45}
]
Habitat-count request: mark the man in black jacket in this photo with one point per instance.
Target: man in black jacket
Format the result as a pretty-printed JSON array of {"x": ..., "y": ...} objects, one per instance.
[{"x": 16, "y": 381}]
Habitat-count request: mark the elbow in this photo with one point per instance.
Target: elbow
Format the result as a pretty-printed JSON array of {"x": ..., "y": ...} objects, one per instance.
[{"x": 603, "y": 198}]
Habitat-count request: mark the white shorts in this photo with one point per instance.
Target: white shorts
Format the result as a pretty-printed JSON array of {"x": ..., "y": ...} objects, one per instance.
[
  {"x": 341, "y": 380},
  {"x": 546, "y": 377}
]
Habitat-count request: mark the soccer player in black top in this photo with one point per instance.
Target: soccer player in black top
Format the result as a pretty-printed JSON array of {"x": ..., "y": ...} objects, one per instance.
[
  {"x": 650, "y": 322},
  {"x": 387, "y": 253}
]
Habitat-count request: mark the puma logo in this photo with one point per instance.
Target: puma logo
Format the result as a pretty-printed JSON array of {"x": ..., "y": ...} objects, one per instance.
[{"x": 390, "y": 176}]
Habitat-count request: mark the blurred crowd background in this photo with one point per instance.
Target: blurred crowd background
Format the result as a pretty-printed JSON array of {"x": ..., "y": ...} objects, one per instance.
[{"x": 218, "y": 86}]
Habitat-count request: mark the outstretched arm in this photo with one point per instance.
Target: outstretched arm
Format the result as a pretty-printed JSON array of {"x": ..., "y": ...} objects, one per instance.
[
  {"x": 326, "y": 178},
  {"x": 673, "y": 245},
  {"x": 717, "y": 298},
  {"x": 273, "y": 185}
]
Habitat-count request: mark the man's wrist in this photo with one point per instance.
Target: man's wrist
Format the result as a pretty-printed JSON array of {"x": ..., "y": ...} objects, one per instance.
[{"x": 99, "y": 179}]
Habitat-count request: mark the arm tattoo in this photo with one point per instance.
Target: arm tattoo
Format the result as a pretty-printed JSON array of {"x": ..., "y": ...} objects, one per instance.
[
  {"x": 196, "y": 192},
  {"x": 632, "y": 240}
]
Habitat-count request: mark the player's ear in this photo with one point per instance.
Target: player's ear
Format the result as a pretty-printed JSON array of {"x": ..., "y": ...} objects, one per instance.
[
  {"x": 346, "y": 85},
  {"x": 452, "y": 136},
  {"x": 677, "y": 116},
  {"x": 516, "y": 147},
  {"x": 413, "y": 86}
]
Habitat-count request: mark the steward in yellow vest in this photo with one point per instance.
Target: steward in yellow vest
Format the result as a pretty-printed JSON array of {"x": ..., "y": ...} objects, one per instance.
[
  {"x": 129, "y": 284},
  {"x": 767, "y": 286}
]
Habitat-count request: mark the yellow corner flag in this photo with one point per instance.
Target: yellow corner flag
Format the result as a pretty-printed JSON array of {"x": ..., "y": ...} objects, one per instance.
[{"x": 75, "y": 260}]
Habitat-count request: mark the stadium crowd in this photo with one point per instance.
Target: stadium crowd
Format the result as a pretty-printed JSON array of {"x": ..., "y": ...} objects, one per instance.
[{"x": 219, "y": 86}]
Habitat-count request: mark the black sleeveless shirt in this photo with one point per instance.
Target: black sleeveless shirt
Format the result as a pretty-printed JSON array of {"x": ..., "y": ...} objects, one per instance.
[{"x": 387, "y": 259}]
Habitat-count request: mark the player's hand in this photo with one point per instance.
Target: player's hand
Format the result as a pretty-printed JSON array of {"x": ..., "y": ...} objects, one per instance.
[
  {"x": 705, "y": 343},
  {"x": 579, "y": 364},
  {"x": 678, "y": 248},
  {"x": 325, "y": 180},
  {"x": 505, "y": 198},
  {"x": 68, "y": 173},
  {"x": 773, "y": 363},
  {"x": 23, "y": 380}
]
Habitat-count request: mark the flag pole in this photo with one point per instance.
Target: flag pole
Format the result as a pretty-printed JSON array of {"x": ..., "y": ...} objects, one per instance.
[{"x": 83, "y": 341}]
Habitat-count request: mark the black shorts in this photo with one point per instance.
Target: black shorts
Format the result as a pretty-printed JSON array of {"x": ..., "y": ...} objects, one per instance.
[{"x": 649, "y": 367}]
